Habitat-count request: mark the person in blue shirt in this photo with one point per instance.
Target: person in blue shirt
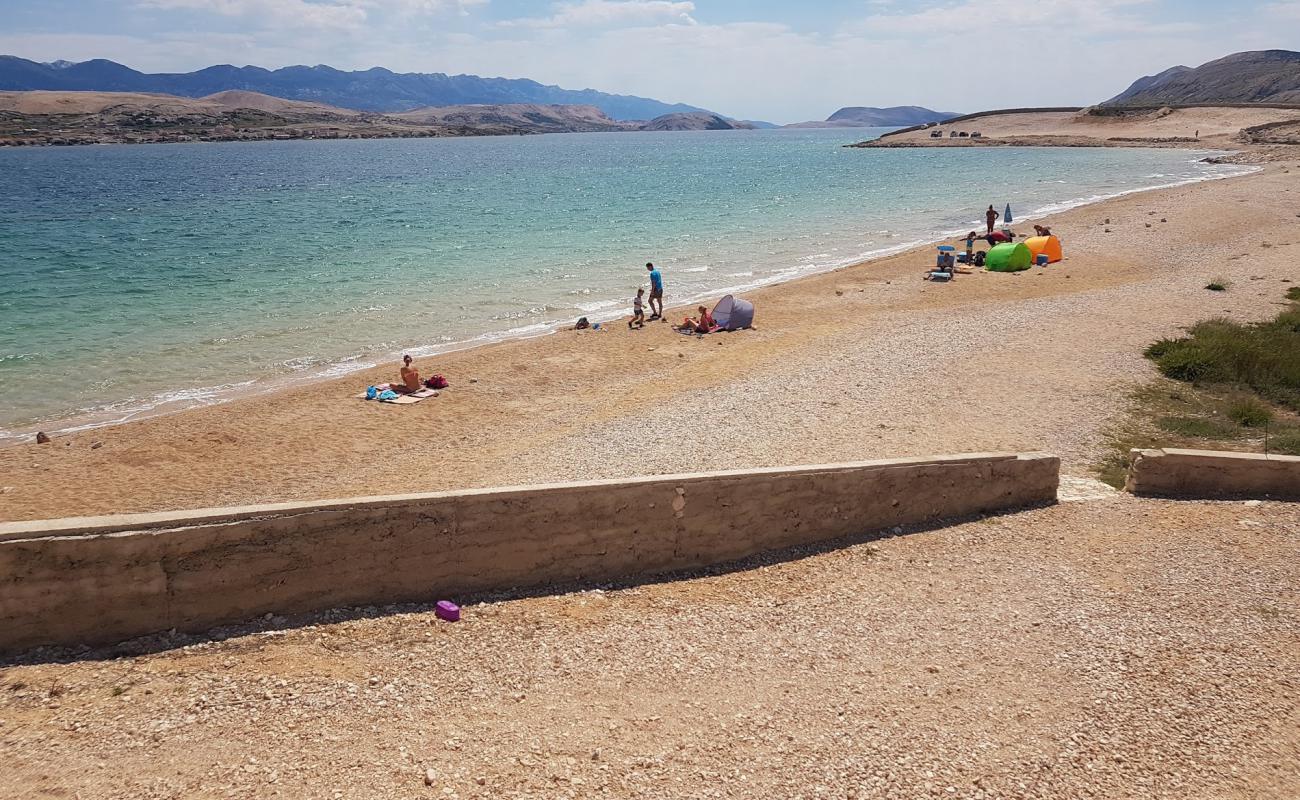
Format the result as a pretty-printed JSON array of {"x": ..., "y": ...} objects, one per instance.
[{"x": 656, "y": 292}]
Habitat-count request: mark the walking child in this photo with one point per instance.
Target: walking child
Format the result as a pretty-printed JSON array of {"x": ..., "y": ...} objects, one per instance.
[{"x": 638, "y": 310}]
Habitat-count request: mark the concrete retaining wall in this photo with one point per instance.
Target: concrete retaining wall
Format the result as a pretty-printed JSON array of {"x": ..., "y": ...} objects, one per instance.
[
  {"x": 105, "y": 579},
  {"x": 1211, "y": 474}
]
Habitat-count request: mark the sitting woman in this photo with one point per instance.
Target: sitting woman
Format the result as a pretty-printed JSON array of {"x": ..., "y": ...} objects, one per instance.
[
  {"x": 704, "y": 324},
  {"x": 410, "y": 377}
]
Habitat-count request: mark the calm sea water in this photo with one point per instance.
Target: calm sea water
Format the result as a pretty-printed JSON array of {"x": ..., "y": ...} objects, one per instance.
[{"x": 134, "y": 279}]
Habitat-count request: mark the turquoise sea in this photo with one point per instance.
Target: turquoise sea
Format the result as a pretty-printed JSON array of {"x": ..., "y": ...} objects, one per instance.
[{"x": 139, "y": 279}]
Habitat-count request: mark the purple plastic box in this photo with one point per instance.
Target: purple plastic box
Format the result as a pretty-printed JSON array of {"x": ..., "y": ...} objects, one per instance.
[{"x": 447, "y": 610}]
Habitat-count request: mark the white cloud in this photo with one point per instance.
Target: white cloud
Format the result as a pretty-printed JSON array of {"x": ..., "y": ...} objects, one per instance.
[
  {"x": 323, "y": 14},
  {"x": 610, "y": 13},
  {"x": 299, "y": 13},
  {"x": 1285, "y": 10},
  {"x": 422, "y": 6},
  {"x": 1069, "y": 18}
]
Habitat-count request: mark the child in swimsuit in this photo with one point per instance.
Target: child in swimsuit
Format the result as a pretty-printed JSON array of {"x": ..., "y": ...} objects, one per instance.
[{"x": 638, "y": 310}]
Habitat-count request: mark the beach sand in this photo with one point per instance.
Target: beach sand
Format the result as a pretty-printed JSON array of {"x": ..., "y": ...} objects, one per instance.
[{"x": 865, "y": 362}]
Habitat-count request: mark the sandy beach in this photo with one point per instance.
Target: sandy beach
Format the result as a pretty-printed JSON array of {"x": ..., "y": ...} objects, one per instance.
[{"x": 868, "y": 361}]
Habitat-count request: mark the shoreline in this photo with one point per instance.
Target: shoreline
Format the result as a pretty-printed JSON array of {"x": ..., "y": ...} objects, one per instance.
[
  {"x": 863, "y": 362},
  {"x": 196, "y": 398}
]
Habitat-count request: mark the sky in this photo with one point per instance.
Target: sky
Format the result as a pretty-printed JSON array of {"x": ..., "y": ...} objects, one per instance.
[{"x": 775, "y": 60}]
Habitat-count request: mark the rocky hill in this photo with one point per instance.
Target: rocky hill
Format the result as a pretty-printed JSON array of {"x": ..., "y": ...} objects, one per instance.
[
  {"x": 869, "y": 117},
  {"x": 1264, "y": 76},
  {"x": 530, "y": 117},
  {"x": 695, "y": 121},
  {"x": 376, "y": 90}
]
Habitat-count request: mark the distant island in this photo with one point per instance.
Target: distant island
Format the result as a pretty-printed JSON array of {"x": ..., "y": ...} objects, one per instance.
[
  {"x": 72, "y": 118},
  {"x": 377, "y": 90},
  {"x": 868, "y": 117}
]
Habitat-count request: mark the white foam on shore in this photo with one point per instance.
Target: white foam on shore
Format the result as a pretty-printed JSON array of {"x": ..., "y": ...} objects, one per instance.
[{"x": 309, "y": 369}]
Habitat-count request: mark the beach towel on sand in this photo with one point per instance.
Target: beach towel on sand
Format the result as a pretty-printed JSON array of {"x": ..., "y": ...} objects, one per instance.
[{"x": 402, "y": 399}]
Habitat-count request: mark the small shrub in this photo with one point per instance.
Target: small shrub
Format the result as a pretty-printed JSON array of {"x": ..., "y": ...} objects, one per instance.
[
  {"x": 1157, "y": 349},
  {"x": 1250, "y": 413},
  {"x": 1287, "y": 443},
  {"x": 1184, "y": 361},
  {"x": 1217, "y": 286},
  {"x": 1293, "y": 293},
  {"x": 1197, "y": 428}
]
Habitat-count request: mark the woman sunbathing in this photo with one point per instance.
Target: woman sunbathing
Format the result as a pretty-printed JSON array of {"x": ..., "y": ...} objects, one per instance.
[{"x": 410, "y": 377}]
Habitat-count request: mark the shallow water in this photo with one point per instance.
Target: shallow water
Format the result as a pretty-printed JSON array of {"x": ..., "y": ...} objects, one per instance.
[{"x": 139, "y": 278}]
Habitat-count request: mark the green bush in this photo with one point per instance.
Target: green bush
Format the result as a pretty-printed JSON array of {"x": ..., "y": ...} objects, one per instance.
[
  {"x": 1264, "y": 357},
  {"x": 1157, "y": 349},
  {"x": 1250, "y": 413},
  {"x": 1184, "y": 361},
  {"x": 1293, "y": 293}
]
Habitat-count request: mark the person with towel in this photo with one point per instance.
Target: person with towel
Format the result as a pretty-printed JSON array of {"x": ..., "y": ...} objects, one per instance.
[{"x": 410, "y": 377}]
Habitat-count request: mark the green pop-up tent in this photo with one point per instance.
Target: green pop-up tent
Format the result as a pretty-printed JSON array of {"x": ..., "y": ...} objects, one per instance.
[{"x": 1008, "y": 257}]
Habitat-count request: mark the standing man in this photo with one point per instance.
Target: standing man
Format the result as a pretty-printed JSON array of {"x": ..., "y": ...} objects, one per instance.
[
  {"x": 992, "y": 217},
  {"x": 656, "y": 292}
]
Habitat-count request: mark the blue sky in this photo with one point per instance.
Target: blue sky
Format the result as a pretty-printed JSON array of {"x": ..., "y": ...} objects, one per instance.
[{"x": 758, "y": 59}]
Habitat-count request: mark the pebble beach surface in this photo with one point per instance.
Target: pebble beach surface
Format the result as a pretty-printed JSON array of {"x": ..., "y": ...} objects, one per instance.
[{"x": 1110, "y": 648}]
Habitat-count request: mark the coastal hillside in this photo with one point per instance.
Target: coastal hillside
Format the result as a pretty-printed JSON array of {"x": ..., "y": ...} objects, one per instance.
[
  {"x": 66, "y": 118},
  {"x": 83, "y": 103},
  {"x": 375, "y": 90},
  {"x": 1264, "y": 76},
  {"x": 69, "y": 118},
  {"x": 869, "y": 117},
  {"x": 531, "y": 117},
  {"x": 695, "y": 121}
]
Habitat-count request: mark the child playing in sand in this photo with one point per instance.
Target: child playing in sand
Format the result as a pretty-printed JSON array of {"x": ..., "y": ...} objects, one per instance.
[{"x": 638, "y": 310}]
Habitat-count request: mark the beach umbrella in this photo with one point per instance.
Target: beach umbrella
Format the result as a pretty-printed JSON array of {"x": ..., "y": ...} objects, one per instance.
[{"x": 1006, "y": 215}]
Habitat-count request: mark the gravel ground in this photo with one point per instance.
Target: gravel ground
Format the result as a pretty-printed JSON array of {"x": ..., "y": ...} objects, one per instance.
[{"x": 1109, "y": 648}]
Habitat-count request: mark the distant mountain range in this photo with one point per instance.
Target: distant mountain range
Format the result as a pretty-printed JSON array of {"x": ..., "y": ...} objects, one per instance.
[
  {"x": 376, "y": 89},
  {"x": 867, "y": 117},
  {"x": 1263, "y": 76}
]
